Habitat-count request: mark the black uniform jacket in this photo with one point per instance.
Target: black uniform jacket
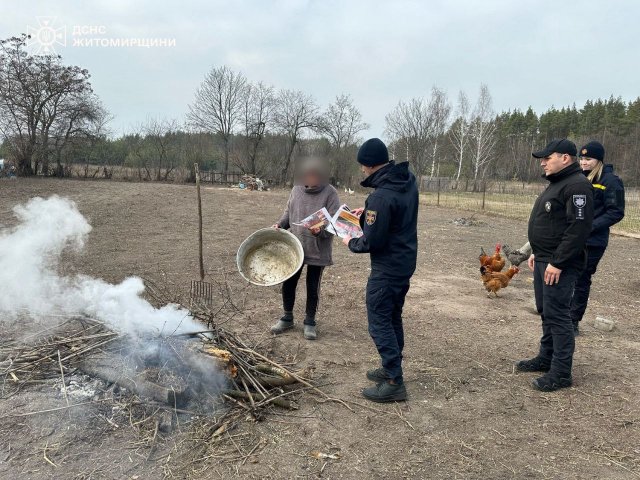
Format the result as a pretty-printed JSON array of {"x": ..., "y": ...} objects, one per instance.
[
  {"x": 390, "y": 222},
  {"x": 561, "y": 219},
  {"x": 608, "y": 207}
]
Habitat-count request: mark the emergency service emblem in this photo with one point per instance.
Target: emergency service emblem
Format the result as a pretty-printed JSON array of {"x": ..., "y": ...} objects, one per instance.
[
  {"x": 547, "y": 207},
  {"x": 371, "y": 217},
  {"x": 579, "y": 201}
]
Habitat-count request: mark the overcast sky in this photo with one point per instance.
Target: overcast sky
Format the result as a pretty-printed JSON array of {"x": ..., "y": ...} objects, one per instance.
[{"x": 537, "y": 53}]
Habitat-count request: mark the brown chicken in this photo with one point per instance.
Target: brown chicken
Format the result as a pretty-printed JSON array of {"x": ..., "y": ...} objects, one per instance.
[
  {"x": 495, "y": 262},
  {"x": 494, "y": 281}
]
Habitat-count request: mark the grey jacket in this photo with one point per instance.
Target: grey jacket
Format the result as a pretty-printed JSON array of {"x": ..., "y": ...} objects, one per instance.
[{"x": 302, "y": 203}]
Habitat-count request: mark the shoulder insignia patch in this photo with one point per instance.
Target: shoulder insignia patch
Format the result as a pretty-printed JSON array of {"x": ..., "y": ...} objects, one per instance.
[
  {"x": 371, "y": 216},
  {"x": 579, "y": 201},
  {"x": 547, "y": 206}
]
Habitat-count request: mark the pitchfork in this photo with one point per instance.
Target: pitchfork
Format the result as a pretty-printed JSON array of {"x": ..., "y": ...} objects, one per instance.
[{"x": 201, "y": 293}]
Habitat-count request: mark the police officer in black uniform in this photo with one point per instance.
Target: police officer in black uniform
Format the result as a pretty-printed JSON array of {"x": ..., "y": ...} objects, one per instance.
[
  {"x": 559, "y": 226},
  {"x": 608, "y": 209},
  {"x": 389, "y": 222}
]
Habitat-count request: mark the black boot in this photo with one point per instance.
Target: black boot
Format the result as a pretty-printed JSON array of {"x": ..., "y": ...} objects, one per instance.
[
  {"x": 378, "y": 375},
  {"x": 385, "y": 392},
  {"x": 551, "y": 382},
  {"x": 536, "y": 364},
  {"x": 284, "y": 324}
]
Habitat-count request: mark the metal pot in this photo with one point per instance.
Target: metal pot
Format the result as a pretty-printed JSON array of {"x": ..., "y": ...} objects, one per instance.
[{"x": 269, "y": 257}]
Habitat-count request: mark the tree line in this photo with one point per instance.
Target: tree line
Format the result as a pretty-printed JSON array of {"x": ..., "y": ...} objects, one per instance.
[{"x": 50, "y": 120}]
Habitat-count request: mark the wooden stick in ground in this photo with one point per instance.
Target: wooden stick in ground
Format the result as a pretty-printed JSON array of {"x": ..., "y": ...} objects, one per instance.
[{"x": 200, "y": 260}]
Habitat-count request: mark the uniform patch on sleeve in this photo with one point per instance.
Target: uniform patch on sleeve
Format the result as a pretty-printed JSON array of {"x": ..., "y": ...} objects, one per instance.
[
  {"x": 579, "y": 202},
  {"x": 371, "y": 217}
]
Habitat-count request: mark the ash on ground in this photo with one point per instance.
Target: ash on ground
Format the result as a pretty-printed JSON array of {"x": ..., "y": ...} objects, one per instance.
[
  {"x": 81, "y": 387},
  {"x": 468, "y": 222}
]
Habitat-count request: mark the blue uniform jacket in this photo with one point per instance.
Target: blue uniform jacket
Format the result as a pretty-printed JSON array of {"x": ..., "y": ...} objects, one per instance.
[
  {"x": 390, "y": 222},
  {"x": 608, "y": 205}
]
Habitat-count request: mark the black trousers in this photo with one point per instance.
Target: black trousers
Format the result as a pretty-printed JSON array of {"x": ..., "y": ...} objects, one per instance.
[
  {"x": 554, "y": 305},
  {"x": 385, "y": 300},
  {"x": 314, "y": 278},
  {"x": 583, "y": 284}
]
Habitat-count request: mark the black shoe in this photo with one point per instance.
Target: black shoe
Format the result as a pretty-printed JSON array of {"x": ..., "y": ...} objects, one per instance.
[
  {"x": 378, "y": 375},
  {"x": 310, "y": 332},
  {"x": 576, "y": 328},
  {"x": 282, "y": 325},
  {"x": 551, "y": 382},
  {"x": 534, "y": 365},
  {"x": 385, "y": 392}
]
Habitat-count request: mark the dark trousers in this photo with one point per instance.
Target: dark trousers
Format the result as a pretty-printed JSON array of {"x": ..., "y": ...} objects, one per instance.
[
  {"x": 314, "y": 277},
  {"x": 554, "y": 305},
  {"x": 385, "y": 300},
  {"x": 583, "y": 284}
]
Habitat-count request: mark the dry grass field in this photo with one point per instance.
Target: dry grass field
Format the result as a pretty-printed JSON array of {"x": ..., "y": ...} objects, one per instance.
[{"x": 469, "y": 415}]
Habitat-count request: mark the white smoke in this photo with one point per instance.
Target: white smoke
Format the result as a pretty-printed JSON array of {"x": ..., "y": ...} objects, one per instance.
[{"x": 31, "y": 285}]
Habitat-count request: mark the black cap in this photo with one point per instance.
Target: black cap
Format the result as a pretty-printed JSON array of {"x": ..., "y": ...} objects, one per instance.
[
  {"x": 557, "y": 146},
  {"x": 593, "y": 150},
  {"x": 373, "y": 152}
]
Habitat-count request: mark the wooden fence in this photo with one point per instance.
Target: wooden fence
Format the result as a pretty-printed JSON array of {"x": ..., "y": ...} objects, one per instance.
[{"x": 221, "y": 178}]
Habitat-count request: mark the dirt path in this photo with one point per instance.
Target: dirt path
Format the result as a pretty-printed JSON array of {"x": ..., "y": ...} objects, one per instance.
[{"x": 469, "y": 415}]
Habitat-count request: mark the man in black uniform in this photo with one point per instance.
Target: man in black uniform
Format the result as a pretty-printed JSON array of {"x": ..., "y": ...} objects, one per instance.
[
  {"x": 389, "y": 223},
  {"x": 559, "y": 226}
]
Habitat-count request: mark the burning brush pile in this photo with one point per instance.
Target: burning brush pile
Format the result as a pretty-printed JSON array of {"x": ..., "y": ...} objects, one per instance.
[
  {"x": 172, "y": 358},
  {"x": 203, "y": 372}
]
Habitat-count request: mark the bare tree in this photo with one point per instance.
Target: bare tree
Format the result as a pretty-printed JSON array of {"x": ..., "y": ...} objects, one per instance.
[
  {"x": 217, "y": 107},
  {"x": 195, "y": 148},
  {"x": 416, "y": 126},
  {"x": 459, "y": 132},
  {"x": 154, "y": 149},
  {"x": 39, "y": 95},
  {"x": 295, "y": 112},
  {"x": 410, "y": 125},
  {"x": 80, "y": 119},
  {"x": 160, "y": 135},
  {"x": 258, "y": 110},
  {"x": 341, "y": 123},
  {"x": 482, "y": 133},
  {"x": 439, "y": 111}
]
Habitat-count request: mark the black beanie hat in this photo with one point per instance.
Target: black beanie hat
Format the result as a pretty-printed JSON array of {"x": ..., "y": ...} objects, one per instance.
[
  {"x": 593, "y": 150},
  {"x": 373, "y": 152}
]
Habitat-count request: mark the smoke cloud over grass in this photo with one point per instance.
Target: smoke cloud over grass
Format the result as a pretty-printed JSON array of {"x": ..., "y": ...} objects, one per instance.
[{"x": 31, "y": 285}]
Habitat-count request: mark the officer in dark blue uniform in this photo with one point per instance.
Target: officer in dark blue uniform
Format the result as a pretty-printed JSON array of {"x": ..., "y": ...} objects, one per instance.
[
  {"x": 559, "y": 226},
  {"x": 389, "y": 222},
  {"x": 608, "y": 206}
]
